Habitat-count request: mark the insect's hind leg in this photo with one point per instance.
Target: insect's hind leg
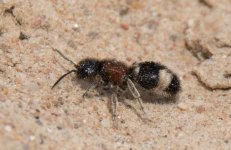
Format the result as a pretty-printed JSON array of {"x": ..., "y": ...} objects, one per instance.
[
  {"x": 135, "y": 93},
  {"x": 114, "y": 109},
  {"x": 114, "y": 104}
]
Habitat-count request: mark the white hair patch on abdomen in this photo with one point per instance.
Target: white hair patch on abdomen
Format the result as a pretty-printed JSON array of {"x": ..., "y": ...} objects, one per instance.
[{"x": 165, "y": 78}]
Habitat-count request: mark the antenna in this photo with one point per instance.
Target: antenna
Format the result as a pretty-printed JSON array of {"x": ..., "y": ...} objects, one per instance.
[
  {"x": 64, "y": 56},
  {"x": 62, "y": 78},
  {"x": 64, "y": 75}
]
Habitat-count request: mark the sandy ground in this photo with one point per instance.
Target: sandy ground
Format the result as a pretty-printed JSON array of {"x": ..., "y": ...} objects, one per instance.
[{"x": 193, "y": 38}]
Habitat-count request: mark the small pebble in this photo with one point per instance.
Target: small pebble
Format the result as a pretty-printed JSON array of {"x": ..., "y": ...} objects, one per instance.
[
  {"x": 8, "y": 128},
  {"x": 75, "y": 27},
  {"x": 124, "y": 11},
  {"x": 84, "y": 121},
  {"x": 200, "y": 109},
  {"x": 182, "y": 106},
  {"x": 59, "y": 127},
  {"x": 32, "y": 138},
  {"x": 124, "y": 26}
]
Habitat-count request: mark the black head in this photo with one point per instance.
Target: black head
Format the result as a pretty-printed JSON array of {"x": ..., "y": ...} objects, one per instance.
[{"x": 87, "y": 68}]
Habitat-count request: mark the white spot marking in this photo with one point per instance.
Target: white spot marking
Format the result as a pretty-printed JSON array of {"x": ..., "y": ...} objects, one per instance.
[{"x": 165, "y": 78}]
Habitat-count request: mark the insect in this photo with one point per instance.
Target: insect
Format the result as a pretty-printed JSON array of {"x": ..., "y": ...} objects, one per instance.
[
  {"x": 111, "y": 72},
  {"x": 149, "y": 75}
]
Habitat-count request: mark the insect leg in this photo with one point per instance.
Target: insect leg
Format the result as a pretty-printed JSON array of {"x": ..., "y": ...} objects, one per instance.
[
  {"x": 135, "y": 93},
  {"x": 114, "y": 107}
]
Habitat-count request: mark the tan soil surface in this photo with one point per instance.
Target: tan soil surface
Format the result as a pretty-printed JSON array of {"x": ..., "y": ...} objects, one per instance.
[{"x": 191, "y": 37}]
